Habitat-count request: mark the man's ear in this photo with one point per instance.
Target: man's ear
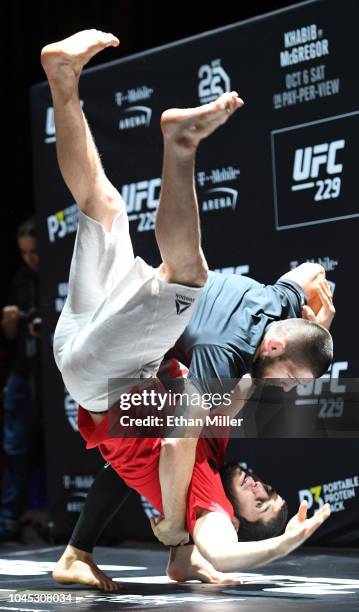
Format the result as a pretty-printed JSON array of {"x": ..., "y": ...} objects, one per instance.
[{"x": 275, "y": 347}]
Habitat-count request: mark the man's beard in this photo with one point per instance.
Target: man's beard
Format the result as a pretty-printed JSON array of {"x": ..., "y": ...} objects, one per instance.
[
  {"x": 261, "y": 364},
  {"x": 261, "y": 368}
]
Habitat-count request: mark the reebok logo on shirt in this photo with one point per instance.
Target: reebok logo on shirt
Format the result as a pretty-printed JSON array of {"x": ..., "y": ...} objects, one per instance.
[{"x": 182, "y": 303}]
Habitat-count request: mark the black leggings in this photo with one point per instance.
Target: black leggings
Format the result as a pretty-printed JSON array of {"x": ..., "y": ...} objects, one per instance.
[{"x": 105, "y": 497}]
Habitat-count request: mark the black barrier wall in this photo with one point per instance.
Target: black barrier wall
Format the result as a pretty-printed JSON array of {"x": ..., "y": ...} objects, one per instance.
[{"x": 276, "y": 187}]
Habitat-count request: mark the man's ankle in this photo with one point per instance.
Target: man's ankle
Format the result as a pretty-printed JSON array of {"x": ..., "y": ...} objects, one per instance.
[{"x": 77, "y": 553}]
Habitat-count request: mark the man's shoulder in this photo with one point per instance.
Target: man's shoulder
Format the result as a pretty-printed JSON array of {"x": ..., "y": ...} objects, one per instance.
[
  {"x": 227, "y": 282},
  {"x": 227, "y": 276}
]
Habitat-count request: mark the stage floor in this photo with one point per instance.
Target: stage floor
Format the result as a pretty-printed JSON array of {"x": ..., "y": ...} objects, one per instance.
[{"x": 311, "y": 579}]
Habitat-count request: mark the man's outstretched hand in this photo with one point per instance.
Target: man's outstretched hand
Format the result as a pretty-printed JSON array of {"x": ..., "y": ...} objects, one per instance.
[
  {"x": 300, "y": 528},
  {"x": 168, "y": 533},
  {"x": 326, "y": 312}
]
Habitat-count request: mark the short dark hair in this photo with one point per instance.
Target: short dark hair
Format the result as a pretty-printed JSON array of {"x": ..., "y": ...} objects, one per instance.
[
  {"x": 27, "y": 228},
  {"x": 258, "y": 530},
  {"x": 252, "y": 530},
  {"x": 308, "y": 344}
]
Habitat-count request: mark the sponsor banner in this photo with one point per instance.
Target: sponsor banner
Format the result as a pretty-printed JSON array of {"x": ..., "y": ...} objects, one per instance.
[
  {"x": 217, "y": 190},
  {"x": 328, "y": 263},
  {"x": 314, "y": 172},
  {"x": 276, "y": 187},
  {"x": 77, "y": 487},
  {"x": 213, "y": 80},
  {"x": 142, "y": 199},
  {"x": 305, "y": 80},
  {"x": 63, "y": 223},
  {"x": 340, "y": 494},
  {"x": 134, "y": 111}
]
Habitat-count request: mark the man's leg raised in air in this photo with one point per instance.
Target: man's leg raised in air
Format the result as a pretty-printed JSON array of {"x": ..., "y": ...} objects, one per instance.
[
  {"x": 84, "y": 176},
  {"x": 179, "y": 240},
  {"x": 77, "y": 155},
  {"x": 177, "y": 224},
  {"x": 79, "y": 160}
]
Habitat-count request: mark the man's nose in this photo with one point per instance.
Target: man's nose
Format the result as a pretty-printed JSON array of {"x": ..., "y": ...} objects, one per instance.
[{"x": 259, "y": 486}]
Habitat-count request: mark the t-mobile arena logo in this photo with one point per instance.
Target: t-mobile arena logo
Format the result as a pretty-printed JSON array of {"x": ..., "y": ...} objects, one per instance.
[
  {"x": 135, "y": 115},
  {"x": 219, "y": 196},
  {"x": 314, "y": 173}
]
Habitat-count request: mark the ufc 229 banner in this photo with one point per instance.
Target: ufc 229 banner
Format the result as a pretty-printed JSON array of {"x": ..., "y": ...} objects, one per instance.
[{"x": 277, "y": 186}]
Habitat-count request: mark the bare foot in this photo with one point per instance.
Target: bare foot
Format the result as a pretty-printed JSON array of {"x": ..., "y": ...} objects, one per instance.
[
  {"x": 77, "y": 566},
  {"x": 186, "y": 563},
  {"x": 184, "y": 128},
  {"x": 65, "y": 59}
]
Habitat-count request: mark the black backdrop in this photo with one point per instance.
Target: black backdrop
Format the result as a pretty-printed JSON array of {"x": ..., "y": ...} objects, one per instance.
[{"x": 276, "y": 187}]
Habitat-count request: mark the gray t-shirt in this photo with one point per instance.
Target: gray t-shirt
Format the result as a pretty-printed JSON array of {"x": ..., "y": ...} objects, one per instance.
[{"x": 230, "y": 320}]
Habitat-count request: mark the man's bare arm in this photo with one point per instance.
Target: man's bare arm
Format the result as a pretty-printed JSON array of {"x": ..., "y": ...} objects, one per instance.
[
  {"x": 308, "y": 275},
  {"x": 240, "y": 395},
  {"x": 177, "y": 459},
  {"x": 311, "y": 277},
  {"x": 216, "y": 540},
  {"x": 175, "y": 472},
  {"x": 326, "y": 313}
]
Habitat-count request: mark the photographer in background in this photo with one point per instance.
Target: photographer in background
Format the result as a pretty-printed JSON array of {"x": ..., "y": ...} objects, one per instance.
[{"x": 21, "y": 325}]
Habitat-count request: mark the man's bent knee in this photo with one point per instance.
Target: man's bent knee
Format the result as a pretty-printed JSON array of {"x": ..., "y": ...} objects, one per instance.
[
  {"x": 190, "y": 276},
  {"x": 103, "y": 209}
]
